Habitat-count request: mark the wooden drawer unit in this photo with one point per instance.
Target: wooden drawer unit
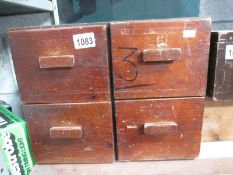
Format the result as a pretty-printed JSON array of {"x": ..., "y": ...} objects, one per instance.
[
  {"x": 160, "y": 58},
  {"x": 159, "y": 77},
  {"x": 61, "y": 64},
  {"x": 220, "y": 79},
  {"x": 152, "y": 129},
  {"x": 63, "y": 79},
  {"x": 71, "y": 133}
]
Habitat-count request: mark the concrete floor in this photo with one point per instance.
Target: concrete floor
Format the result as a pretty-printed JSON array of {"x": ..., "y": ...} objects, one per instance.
[
  {"x": 184, "y": 167},
  {"x": 216, "y": 158}
]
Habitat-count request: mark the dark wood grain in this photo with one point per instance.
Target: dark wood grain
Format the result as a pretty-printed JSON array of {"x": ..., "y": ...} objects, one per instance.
[
  {"x": 94, "y": 145},
  {"x": 134, "y": 78},
  {"x": 88, "y": 80},
  {"x": 184, "y": 143}
]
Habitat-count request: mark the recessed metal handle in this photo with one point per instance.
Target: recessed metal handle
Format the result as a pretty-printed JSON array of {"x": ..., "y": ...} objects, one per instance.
[
  {"x": 66, "y": 132},
  {"x": 163, "y": 54},
  {"x": 159, "y": 128},
  {"x": 61, "y": 61}
]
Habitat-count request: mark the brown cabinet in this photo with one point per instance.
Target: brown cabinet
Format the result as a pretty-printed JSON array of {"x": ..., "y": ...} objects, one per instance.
[
  {"x": 63, "y": 78},
  {"x": 159, "y": 76},
  {"x": 220, "y": 80},
  {"x": 159, "y": 70}
]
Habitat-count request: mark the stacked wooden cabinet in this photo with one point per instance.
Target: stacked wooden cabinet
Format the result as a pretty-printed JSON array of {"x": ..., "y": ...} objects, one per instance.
[
  {"x": 220, "y": 81},
  {"x": 63, "y": 80},
  {"x": 159, "y": 70}
]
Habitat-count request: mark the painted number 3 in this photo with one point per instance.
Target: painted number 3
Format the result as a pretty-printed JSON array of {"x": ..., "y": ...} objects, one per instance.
[{"x": 128, "y": 70}]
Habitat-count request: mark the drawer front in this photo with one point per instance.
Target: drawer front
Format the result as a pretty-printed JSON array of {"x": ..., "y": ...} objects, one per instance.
[
  {"x": 71, "y": 133},
  {"x": 51, "y": 66},
  {"x": 159, "y": 129},
  {"x": 163, "y": 58}
]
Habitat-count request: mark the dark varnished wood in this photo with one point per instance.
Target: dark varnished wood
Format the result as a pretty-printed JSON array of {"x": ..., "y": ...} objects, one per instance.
[
  {"x": 135, "y": 77},
  {"x": 81, "y": 133},
  {"x": 88, "y": 80},
  {"x": 180, "y": 142},
  {"x": 220, "y": 79}
]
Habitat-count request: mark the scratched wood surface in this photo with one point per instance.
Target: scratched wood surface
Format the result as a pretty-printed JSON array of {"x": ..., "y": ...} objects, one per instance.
[
  {"x": 135, "y": 77},
  {"x": 81, "y": 74},
  {"x": 71, "y": 133},
  {"x": 217, "y": 120},
  {"x": 181, "y": 143}
]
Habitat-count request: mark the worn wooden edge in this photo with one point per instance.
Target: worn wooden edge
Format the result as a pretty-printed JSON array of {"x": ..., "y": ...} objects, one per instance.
[
  {"x": 206, "y": 19},
  {"x": 103, "y": 25}
]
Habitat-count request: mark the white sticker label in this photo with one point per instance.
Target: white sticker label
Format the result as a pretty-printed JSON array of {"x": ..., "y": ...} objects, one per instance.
[
  {"x": 189, "y": 33},
  {"x": 84, "y": 40},
  {"x": 229, "y": 52}
]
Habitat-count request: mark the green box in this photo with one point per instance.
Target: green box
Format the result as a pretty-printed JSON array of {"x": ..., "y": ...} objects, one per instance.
[{"x": 15, "y": 151}]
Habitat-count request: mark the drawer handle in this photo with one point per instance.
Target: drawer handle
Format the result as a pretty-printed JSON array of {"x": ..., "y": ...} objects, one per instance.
[
  {"x": 159, "y": 128},
  {"x": 62, "y": 61},
  {"x": 68, "y": 132},
  {"x": 159, "y": 55}
]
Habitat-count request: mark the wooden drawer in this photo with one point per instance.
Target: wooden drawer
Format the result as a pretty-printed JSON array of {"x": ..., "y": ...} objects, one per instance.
[
  {"x": 159, "y": 129},
  {"x": 220, "y": 80},
  {"x": 52, "y": 67},
  {"x": 71, "y": 133},
  {"x": 160, "y": 58}
]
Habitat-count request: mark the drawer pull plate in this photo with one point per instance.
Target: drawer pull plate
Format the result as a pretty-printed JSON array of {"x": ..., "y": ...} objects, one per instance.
[
  {"x": 159, "y": 128},
  {"x": 159, "y": 55},
  {"x": 66, "y": 132},
  {"x": 61, "y": 61}
]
